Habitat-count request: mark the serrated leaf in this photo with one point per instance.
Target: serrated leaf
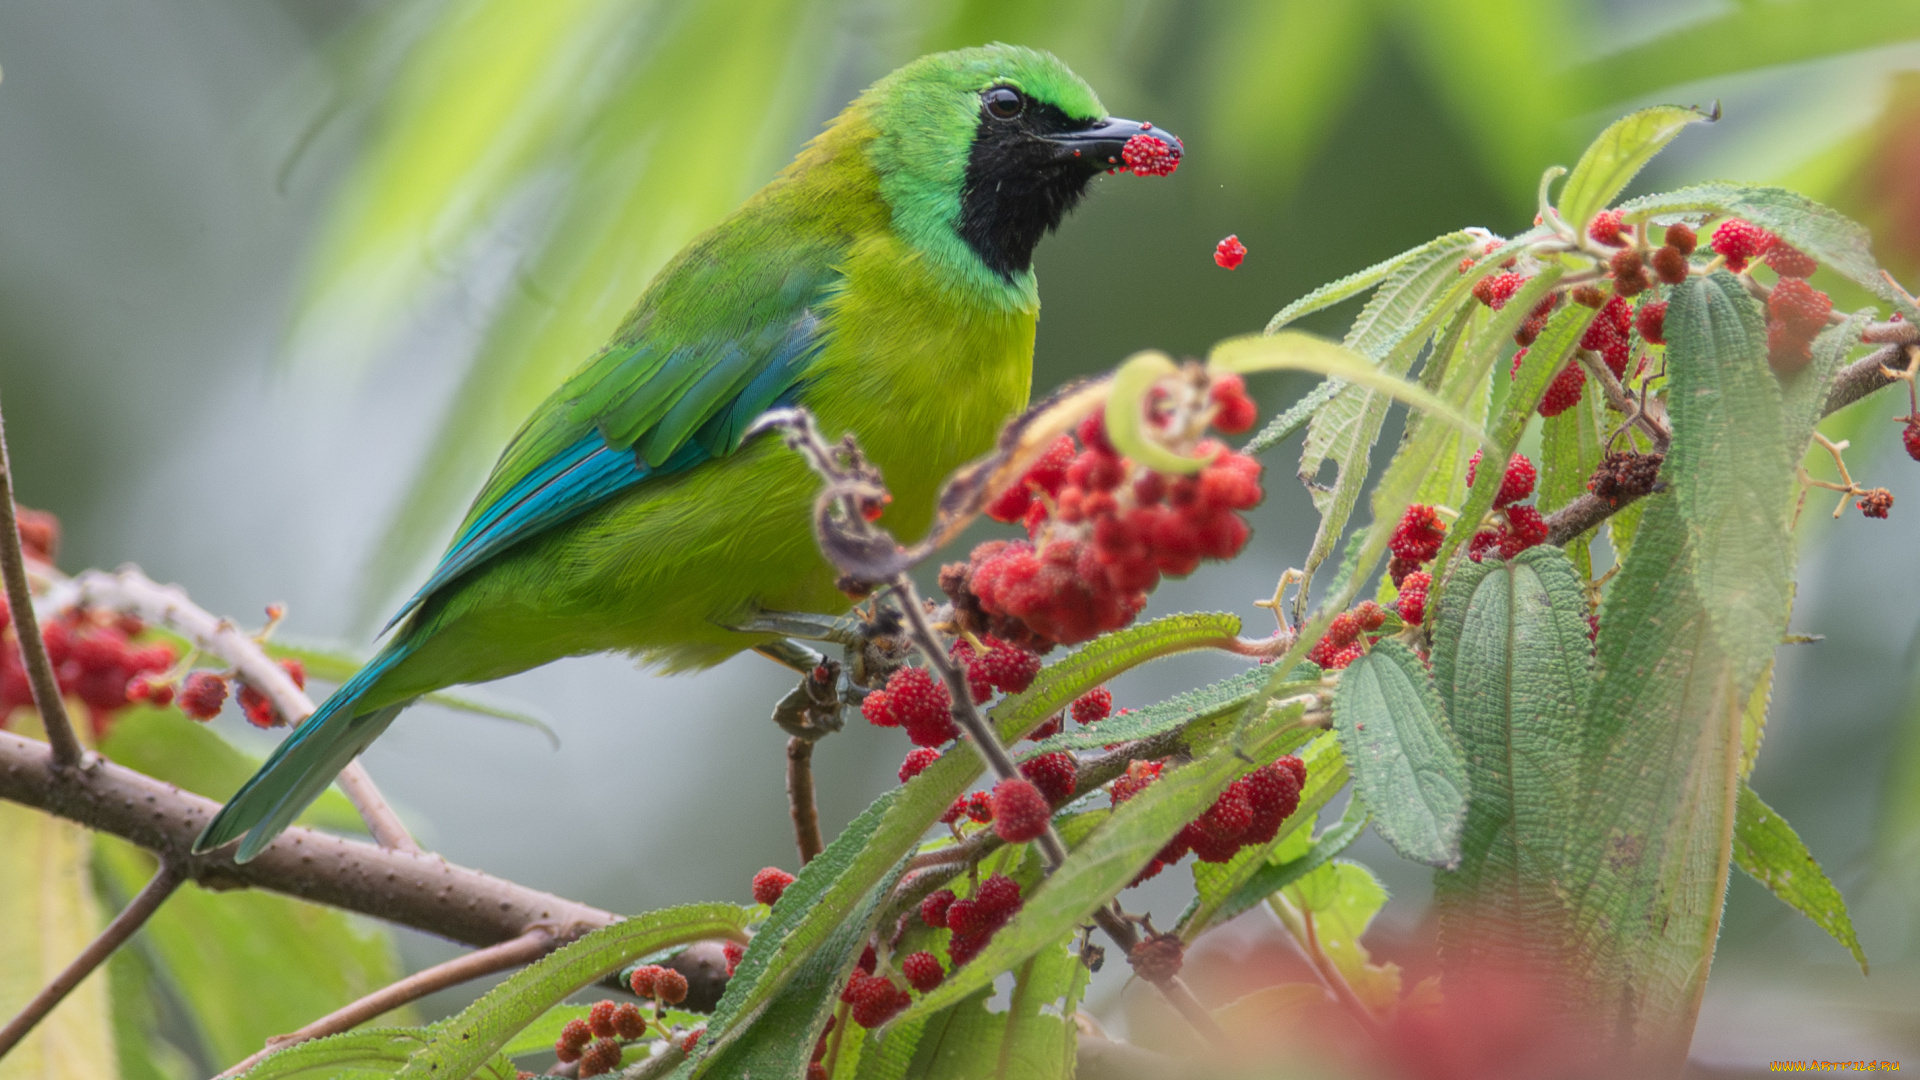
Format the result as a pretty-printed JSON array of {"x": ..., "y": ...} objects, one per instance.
[
  {"x": 1195, "y": 706},
  {"x": 1346, "y": 288},
  {"x": 1771, "y": 853},
  {"x": 1838, "y": 243},
  {"x": 1406, "y": 762},
  {"x": 1226, "y": 890},
  {"x": 1512, "y": 663},
  {"x": 1282, "y": 427},
  {"x": 366, "y": 1054},
  {"x": 1296, "y": 351},
  {"x": 1341, "y": 900},
  {"x": 1116, "y": 851},
  {"x": 1753, "y": 720},
  {"x": 1106, "y": 657},
  {"x": 1613, "y": 159},
  {"x": 1730, "y": 467},
  {"x": 1569, "y": 450},
  {"x": 464, "y": 1043}
]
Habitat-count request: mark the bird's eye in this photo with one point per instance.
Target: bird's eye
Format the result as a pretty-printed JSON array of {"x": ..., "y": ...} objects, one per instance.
[{"x": 1004, "y": 102}]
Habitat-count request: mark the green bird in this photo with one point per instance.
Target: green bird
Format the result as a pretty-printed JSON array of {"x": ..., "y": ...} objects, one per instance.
[{"x": 883, "y": 280}]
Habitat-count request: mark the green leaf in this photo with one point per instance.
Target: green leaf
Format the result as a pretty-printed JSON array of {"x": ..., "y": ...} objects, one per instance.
[
  {"x": 1208, "y": 703},
  {"x": 1569, "y": 450},
  {"x": 366, "y": 1054},
  {"x": 250, "y": 965},
  {"x": 1282, "y": 427},
  {"x": 1512, "y": 663},
  {"x": 1102, "y": 659},
  {"x": 1617, "y": 155},
  {"x": 1295, "y": 351},
  {"x": 1771, "y": 853},
  {"x": 1347, "y": 287},
  {"x": 462, "y": 1044},
  {"x": 1335, "y": 904},
  {"x": 1114, "y": 853},
  {"x": 1240, "y": 884},
  {"x": 1406, "y": 762},
  {"x": 1838, "y": 243},
  {"x": 166, "y": 745},
  {"x": 1730, "y": 467}
]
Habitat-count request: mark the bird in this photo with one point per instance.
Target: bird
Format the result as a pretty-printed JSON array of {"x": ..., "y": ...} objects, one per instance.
[{"x": 883, "y": 280}]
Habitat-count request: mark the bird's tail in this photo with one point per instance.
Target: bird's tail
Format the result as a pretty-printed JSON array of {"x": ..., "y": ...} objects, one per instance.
[{"x": 305, "y": 763}]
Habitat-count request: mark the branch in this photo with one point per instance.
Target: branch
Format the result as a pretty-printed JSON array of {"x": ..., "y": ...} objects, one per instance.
[
  {"x": 26, "y": 626},
  {"x": 131, "y": 918},
  {"x": 806, "y": 815},
  {"x": 421, "y": 891},
  {"x": 524, "y": 949},
  {"x": 131, "y": 592}
]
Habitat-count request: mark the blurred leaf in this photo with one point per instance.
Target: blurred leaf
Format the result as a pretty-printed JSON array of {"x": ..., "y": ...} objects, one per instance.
[
  {"x": 48, "y": 914},
  {"x": 1753, "y": 720},
  {"x": 1771, "y": 853},
  {"x": 1291, "y": 350},
  {"x": 1224, "y": 890},
  {"x": 1743, "y": 37},
  {"x": 250, "y": 965},
  {"x": 1114, "y": 853},
  {"x": 1512, "y": 661},
  {"x": 1259, "y": 1014},
  {"x": 968, "y": 1041},
  {"x": 1334, "y": 906},
  {"x": 1730, "y": 468},
  {"x": 1406, "y": 762},
  {"x": 366, "y": 1054},
  {"x": 1283, "y": 74},
  {"x": 462, "y": 1044},
  {"x": 144, "y": 1050},
  {"x": 167, "y": 745},
  {"x": 1613, "y": 159}
]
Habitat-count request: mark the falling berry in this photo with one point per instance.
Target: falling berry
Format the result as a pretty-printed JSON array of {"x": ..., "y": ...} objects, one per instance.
[
  {"x": 770, "y": 884},
  {"x": 1229, "y": 253}
]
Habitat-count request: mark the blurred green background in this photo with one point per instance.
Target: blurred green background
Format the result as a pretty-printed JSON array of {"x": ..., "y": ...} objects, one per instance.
[{"x": 278, "y": 277}]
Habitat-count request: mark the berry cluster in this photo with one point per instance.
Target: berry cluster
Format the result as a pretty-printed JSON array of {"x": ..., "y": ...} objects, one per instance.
[
  {"x": 1876, "y": 502},
  {"x": 1250, "y": 811},
  {"x": 770, "y": 884},
  {"x": 1342, "y": 644},
  {"x": 1145, "y": 155},
  {"x": 974, "y": 919},
  {"x": 916, "y": 701},
  {"x": 1009, "y": 669},
  {"x": 1796, "y": 313},
  {"x": 1228, "y": 254},
  {"x": 1624, "y": 476},
  {"x": 661, "y": 984},
  {"x": 1412, "y": 603},
  {"x": 94, "y": 658},
  {"x": 596, "y": 1041},
  {"x": 1523, "y": 527},
  {"x": 1102, "y": 531}
]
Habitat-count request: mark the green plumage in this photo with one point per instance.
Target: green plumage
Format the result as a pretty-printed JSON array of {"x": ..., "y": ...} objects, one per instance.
[{"x": 626, "y": 515}]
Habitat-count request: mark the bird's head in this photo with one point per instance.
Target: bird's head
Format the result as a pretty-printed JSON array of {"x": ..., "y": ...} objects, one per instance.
[{"x": 981, "y": 152}]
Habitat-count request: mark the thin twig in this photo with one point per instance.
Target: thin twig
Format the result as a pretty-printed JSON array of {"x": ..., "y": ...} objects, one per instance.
[
  {"x": 806, "y": 815},
  {"x": 524, "y": 949},
  {"x": 67, "y": 752},
  {"x": 132, "y": 592},
  {"x": 421, "y": 891},
  {"x": 166, "y": 879}
]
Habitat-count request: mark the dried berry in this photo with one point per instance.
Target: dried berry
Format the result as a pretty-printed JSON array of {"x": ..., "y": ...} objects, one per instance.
[
  {"x": 1629, "y": 273},
  {"x": 1229, "y": 253},
  {"x": 1670, "y": 266},
  {"x": 1876, "y": 503},
  {"x": 1158, "y": 958},
  {"x": 1588, "y": 296},
  {"x": 1020, "y": 811},
  {"x": 917, "y": 761},
  {"x": 1623, "y": 477},
  {"x": 923, "y": 971},
  {"x": 769, "y": 884},
  {"x": 1681, "y": 238}
]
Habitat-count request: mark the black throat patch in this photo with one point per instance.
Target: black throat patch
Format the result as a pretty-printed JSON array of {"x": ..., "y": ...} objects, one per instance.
[{"x": 1020, "y": 185}]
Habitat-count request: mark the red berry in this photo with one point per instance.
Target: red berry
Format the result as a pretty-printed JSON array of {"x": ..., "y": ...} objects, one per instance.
[
  {"x": 999, "y": 898},
  {"x": 1236, "y": 411},
  {"x": 966, "y": 917},
  {"x": 1800, "y": 306},
  {"x": 670, "y": 987},
  {"x": 1420, "y": 533},
  {"x": 917, "y": 761},
  {"x": 1564, "y": 391},
  {"x": 644, "y": 979},
  {"x": 1738, "y": 241},
  {"x": 1413, "y": 598},
  {"x": 600, "y": 1058},
  {"x": 923, "y": 971},
  {"x": 1344, "y": 656},
  {"x": 769, "y": 884},
  {"x": 1789, "y": 261},
  {"x": 1229, "y": 253},
  {"x": 1651, "y": 320},
  {"x": 1483, "y": 541},
  {"x": 1525, "y": 528},
  {"x": 1158, "y": 958},
  {"x": 1020, "y": 812},
  {"x": 600, "y": 1018},
  {"x": 878, "y": 710},
  {"x": 1496, "y": 290},
  {"x": 1148, "y": 155},
  {"x": 1515, "y": 484},
  {"x": 691, "y": 1038},
  {"x": 816, "y": 1070},
  {"x": 1605, "y": 228},
  {"x": 202, "y": 695},
  {"x": 1681, "y": 238},
  {"x": 869, "y": 959},
  {"x": 1910, "y": 437},
  {"x": 1670, "y": 266},
  {"x": 922, "y": 705},
  {"x": 734, "y": 953},
  {"x": 295, "y": 670},
  {"x": 1054, "y": 774},
  {"x": 1097, "y": 703},
  {"x": 1008, "y": 668},
  {"x": 574, "y": 1037},
  {"x": 1876, "y": 503},
  {"x": 1370, "y": 615},
  {"x": 877, "y": 1000},
  {"x": 1139, "y": 774},
  {"x": 933, "y": 910},
  {"x": 257, "y": 707}
]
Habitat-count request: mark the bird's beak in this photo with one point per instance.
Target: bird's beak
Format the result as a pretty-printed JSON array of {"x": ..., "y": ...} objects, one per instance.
[{"x": 1099, "y": 146}]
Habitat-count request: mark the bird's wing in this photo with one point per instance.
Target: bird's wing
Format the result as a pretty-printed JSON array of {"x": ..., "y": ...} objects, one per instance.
[{"x": 714, "y": 345}]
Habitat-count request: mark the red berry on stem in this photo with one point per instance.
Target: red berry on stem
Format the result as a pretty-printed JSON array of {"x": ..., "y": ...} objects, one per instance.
[
  {"x": 769, "y": 884},
  {"x": 923, "y": 971},
  {"x": 922, "y": 705},
  {"x": 1054, "y": 774},
  {"x": 1564, "y": 391},
  {"x": 1413, "y": 598},
  {"x": 600, "y": 1058},
  {"x": 670, "y": 987},
  {"x": 1651, "y": 320},
  {"x": 1910, "y": 437},
  {"x": 1420, "y": 533},
  {"x": 1020, "y": 812},
  {"x": 917, "y": 761},
  {"x": 1738, "y": 241},
  {"x": 878, "y": 710},
  {"x": 1097, "y": 703},
  {"x": 202, "y": 695},
  {"x": 644, "y": 978},
  {"x": 1789, "y": 261},
  {"x": 574, "y": 1037},
  {"x": 1670, "y": 266},
  {"x": 1605, "y": 228},
  {"x": 1681, "y": 238},
  {"x": 1876, "y": 503},
  {"x": 933, "y": 910},
  {"x": 1229, "y": 253}
]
